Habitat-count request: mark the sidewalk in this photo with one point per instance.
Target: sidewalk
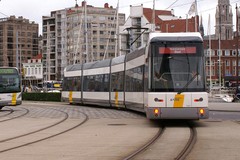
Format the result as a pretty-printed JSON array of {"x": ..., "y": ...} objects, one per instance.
[{"x": 232, "y": 106}]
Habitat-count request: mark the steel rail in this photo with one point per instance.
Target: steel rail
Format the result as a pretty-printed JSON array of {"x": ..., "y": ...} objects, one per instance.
[
  {"x": 190, "y": 144},
  {"x": 27, "y": 111},
  {"x": 147, "y": 145},
  {"x": 48, "y": 137}
]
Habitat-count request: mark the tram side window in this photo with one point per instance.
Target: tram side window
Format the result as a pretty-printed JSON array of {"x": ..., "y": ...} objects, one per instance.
[
  {"x": 134, "y": 79},
  {"x": 72, "y": 84},
  {"x": 96, "y": 83},
  {"x": 117, "y": 81}
]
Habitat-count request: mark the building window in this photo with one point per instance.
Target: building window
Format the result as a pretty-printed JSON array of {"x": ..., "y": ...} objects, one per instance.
[
  {"x": 227, "y": 53},
  {"x": 101, "y": 46},
  {"x": 227, "y": 73},
  {"x": 227, "y": 62},
  {"x": 234, "y": 63},
  {"x": 102, "y": 25},
  {"x": 101, "y": 54},
  {"x": 207, "y": 63},
  {"x": 234, "y": 71},
  {"x": 102, "y": 18},
  {"x": 219, "y": 53}
]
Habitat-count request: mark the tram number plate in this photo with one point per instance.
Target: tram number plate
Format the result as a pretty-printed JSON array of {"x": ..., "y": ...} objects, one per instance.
[{"x": 178, "y": 101}]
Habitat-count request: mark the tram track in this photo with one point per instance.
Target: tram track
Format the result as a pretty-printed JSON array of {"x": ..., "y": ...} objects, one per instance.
[
  {"x": 144, "y": 151},
  {"x": 146, "y": 146},
  {"x": 38, "y": 131},
  {"x": 41, "y": 129},
  {"x": 14, "y": 117},
  {"x": 190, "y": 144},
  {"x": 8, "y": 112}
]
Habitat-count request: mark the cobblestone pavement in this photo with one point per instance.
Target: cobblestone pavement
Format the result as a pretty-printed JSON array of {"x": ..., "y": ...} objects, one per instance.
[{"x": 74, "y": 111}]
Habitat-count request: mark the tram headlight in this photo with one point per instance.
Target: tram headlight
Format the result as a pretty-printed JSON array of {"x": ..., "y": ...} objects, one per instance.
[
  {"x": 156, "y": 112},
  {"x": 201, "y": 111}
]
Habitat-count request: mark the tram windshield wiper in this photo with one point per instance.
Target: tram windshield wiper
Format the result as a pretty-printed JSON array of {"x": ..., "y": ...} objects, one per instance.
[{"x": 188, "y": 83}]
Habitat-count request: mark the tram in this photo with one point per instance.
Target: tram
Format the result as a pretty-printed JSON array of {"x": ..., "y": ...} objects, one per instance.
[
  {"x": 10, "y": 87},
  {"x": 165, "y": 79}
]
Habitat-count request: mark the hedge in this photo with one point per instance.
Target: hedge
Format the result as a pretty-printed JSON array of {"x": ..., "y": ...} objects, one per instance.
[{"x": 56, "y": 97}]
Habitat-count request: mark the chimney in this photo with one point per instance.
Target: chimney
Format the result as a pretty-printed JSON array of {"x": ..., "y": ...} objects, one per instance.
[{"x": 106, "y": 5}]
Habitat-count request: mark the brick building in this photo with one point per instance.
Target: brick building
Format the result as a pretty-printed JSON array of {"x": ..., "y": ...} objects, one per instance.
[{"x": 223, "y": 62}]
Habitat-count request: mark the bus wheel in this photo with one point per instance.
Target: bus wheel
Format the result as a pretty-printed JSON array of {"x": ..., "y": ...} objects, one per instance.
[{"x": 1, "y": 107}]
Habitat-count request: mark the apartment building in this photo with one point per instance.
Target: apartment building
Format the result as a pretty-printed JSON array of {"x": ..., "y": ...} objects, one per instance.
[
  {"x": 77, "y": 35},
  {"x": 18, "y": 41},
  {"x": 54, "y": 45}
]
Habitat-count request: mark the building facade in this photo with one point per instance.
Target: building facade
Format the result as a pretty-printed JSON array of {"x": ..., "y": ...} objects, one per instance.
[
  {"x": 53, "y": 45},
  {"x": 222, "y": 63},
  {"x": 18, "y": 41},
  {"x": 33, "y": 71},
  {"x": 222, "y": 66},
  {"x": 77, "y": 35}
]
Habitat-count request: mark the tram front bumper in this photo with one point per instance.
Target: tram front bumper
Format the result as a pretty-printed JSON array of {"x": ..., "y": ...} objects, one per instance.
[{"x": 177, "y": 113}]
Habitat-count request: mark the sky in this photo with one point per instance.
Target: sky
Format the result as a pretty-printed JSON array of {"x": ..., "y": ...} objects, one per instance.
[{"x": 35, "y": 9}]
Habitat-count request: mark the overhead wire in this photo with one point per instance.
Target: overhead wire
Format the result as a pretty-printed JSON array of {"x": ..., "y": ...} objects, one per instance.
[
  {"x": 184, "y": 4},
  {"x": 172, "y": 4},
  {"x": 4, "y": 14}
]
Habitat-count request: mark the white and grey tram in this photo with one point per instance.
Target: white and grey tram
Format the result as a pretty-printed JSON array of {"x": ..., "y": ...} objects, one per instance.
[{"x": 165, "y": 79}]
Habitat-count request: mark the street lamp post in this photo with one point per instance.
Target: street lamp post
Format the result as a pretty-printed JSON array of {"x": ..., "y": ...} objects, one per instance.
[
  {"x": 237, "y": 36},
  {"x": 220, "y": 66},
  {"x": 219, "y": 60},
  {"x": 219, "y": 46}
]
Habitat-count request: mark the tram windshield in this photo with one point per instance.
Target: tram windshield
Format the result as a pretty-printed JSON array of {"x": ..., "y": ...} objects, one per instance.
[
  {"x": 177, "y": 67},
  {"x": 9, "y": 81}
]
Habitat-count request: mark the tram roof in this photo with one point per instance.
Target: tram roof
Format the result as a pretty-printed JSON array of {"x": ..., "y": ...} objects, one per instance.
[
  {"x": 173, "y": 37},
  {"x": 135, "y": 54},
  {"x": 97, "y": 64},
  {"x": 118, "y": 60},
  {"x": 74, "y": 67}
]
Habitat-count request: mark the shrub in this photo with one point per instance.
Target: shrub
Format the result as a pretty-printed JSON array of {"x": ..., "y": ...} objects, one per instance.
[{"x": 56, "y": 97}]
